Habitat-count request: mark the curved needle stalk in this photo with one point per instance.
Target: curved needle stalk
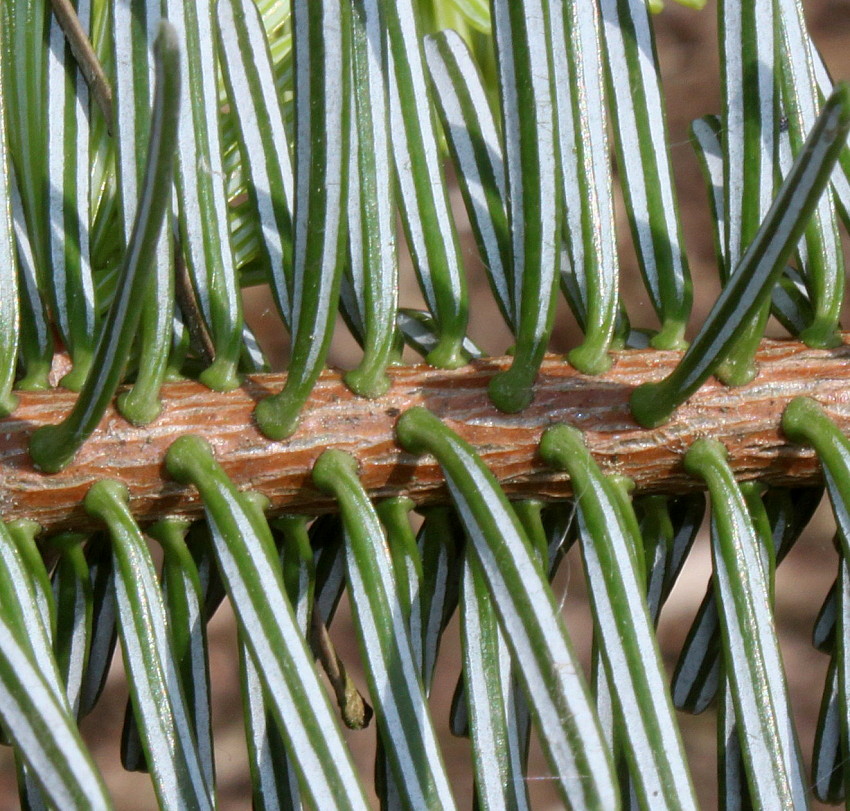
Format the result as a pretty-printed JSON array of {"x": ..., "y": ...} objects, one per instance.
[
  {"x": 374, "y": 262},
  {"x": 35, "y": 338},
  {"x": 426, "y": 212},
  {"x": 823, "y": 269},
  {"x": 24, "y": 533},
  {"x": 590, "y": 271},
  {"x": 697, "y": 675},
  {"x": 133, "y": 29},
  {"x": 476, "y": 149},
  {"x": 202, "y": 203},
  {"x": 626, "y": 641},
  {"x": 750, "y": 128},
  {"x": 753, "y": 663},
  {"x": 24, "y": 24},
  {"x": 528, "y": 615},
  {"x": 407, "y": 733},
  {"x": 640, "y": 136},
  {"x": 250, "y": 569},
  {"x": 53, "y": 446},
  {"x": 806, "y": 422},
  {"x": 321, "y": 170},
  {"x": 159, "y": 703},
  {"x": 523, "y": 31},
  {"x": 68, "y": 168},
  {"x": 753, "y": 280},
  {"x": 9, "y": 308}
]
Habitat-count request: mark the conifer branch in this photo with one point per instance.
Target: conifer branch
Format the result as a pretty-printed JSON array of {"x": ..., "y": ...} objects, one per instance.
[{"x": 746, "y": 420}]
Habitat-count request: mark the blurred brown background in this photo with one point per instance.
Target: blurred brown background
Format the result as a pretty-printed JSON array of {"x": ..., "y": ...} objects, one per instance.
[{"x": 688, "y": 52}]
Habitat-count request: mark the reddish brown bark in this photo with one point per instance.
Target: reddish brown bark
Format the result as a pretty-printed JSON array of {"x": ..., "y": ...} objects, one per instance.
[{"x": 745, "y": 419}]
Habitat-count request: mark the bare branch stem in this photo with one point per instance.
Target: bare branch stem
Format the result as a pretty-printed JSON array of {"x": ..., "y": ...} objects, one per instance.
[{"x": 745, "y": 419}]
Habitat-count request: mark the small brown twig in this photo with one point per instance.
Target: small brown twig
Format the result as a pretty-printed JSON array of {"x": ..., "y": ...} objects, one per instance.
[
  {"x": 356, "y": 712},
  {"x": 89, "y": 64},
  {"x": 188, "y": 304}
]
